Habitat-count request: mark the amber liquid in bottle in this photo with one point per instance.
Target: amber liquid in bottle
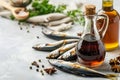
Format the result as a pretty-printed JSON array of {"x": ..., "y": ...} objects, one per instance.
[
  {"x": 111, "y": 38},
  {"x": 90, "y": 52}
]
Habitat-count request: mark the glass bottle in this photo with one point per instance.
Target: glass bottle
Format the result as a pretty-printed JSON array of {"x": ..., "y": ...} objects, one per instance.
[
  {"x": 111, "y": 38},
  {"x": 90, "y": 49}
]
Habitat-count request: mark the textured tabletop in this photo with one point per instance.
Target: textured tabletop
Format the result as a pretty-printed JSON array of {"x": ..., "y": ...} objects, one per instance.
[{"x": 16, "y": 53}]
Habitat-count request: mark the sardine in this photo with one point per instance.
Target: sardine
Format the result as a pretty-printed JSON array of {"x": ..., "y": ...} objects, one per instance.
[
  {"x": 38, "y": 19},
  {"x": 57, "y": 35},
  {"x": 54, "y": 45},
  {"x": 61, "y": 21},
  {"x": 61, "y": 27},
  {"x": 46, "y": 18},
  {"x": 56, "y": 53},
  {"x": 69, "y": 55},
  {"x": 56, "y": 16},
  {"x": 5, "y": 14},
  {"x": 77, "y": 69}
]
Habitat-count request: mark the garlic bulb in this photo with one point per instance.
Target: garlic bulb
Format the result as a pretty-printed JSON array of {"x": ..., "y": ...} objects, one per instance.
[{"x": 20, "y": 3}]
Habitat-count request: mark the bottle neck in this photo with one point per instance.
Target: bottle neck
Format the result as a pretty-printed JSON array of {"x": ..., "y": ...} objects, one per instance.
[
  {"x": 90, "y": 26},
  {"x": 107, "y": 5}
]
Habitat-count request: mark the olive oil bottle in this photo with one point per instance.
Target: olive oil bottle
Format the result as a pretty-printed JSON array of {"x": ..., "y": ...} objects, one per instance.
[{"x": 111, "y": 38}]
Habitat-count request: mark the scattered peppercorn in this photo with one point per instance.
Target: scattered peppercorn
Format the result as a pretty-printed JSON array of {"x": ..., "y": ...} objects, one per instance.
[
  {"x": 43, "y": 66},
  {"x": 42, "y": 72},
  {"x": 20, "y": 28},
  {"x": 19, "y": 23},
  {"x": 28, "y": 31},
  {"x": 38, "y": 37},
  {"x": 37, "y": 70},
  {"x": 33, "y": 26},
  {"x": 39, "y": 60},
  {"x": 30, "y": 67}
]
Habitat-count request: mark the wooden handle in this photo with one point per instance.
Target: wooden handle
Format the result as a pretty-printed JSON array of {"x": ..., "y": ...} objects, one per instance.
[
  {"x": 6, "y": 5},
  {"x": 15, "y": 11}
]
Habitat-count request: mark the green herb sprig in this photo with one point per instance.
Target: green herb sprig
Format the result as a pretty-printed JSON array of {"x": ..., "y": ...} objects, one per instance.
[
  {"x": 77, "y": 16},
  {"x": 60, "y": 8},
  {"x": 41, "y": 7}
]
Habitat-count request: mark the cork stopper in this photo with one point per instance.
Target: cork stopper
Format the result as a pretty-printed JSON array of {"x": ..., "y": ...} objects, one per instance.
[{"x": 90, "y": 9}]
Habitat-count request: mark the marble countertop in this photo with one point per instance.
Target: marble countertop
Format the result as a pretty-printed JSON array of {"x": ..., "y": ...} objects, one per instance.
[{"x": 16, "y": 53}]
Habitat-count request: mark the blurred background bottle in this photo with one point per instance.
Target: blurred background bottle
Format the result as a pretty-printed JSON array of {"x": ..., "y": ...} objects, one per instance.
[{"x": 111, "y": 38}]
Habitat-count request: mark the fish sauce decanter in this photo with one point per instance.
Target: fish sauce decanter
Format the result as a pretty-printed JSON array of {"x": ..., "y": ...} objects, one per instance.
[
  {"x": 111, "y": 38},
  {"x": 90, "y": 49}
]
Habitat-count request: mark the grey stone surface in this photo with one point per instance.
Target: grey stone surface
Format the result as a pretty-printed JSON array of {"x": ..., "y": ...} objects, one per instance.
[{"x": 16, "y": 53}]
